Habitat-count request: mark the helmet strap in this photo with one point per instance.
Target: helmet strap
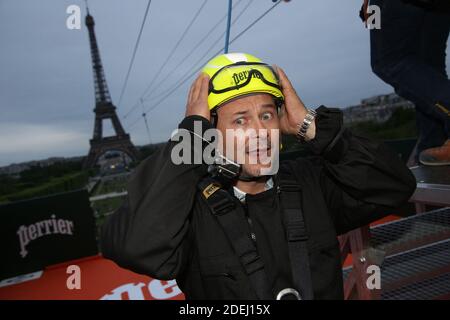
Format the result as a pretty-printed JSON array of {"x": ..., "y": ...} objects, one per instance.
[
  {"x": 247, "y": 178},
  {"x": 214, "y": 118}
]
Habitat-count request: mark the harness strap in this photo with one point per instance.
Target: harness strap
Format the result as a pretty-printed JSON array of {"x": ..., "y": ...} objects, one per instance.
[
  {"x": 231, "y": 217},
  {"x": 289, "y": 193}
]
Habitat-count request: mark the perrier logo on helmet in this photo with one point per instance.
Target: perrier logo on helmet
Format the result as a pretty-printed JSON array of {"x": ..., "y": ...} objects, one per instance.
[{"x": 241, "y": 76}]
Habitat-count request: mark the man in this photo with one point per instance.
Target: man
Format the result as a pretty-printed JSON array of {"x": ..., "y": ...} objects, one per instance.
[
  {"x": 254, "y": 233},
  {"x": 408, "y": 52}
]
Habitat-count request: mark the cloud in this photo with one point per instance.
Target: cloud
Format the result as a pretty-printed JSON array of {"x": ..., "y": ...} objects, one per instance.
[{"x": 25, "y": 141}]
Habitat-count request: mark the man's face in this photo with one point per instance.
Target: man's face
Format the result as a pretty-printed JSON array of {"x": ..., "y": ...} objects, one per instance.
[{"x": 249, "y": 127}]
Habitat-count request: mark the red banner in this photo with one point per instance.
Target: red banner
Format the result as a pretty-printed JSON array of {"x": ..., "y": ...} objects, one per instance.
[{"x": 91, "y": 278}]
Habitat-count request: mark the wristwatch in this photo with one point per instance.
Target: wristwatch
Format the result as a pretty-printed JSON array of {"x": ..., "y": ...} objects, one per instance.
[{"x": 304, "y": 125}]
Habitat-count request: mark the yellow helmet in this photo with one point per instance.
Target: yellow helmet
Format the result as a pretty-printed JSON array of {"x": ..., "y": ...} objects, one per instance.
[{"x": 233, "y": 75}]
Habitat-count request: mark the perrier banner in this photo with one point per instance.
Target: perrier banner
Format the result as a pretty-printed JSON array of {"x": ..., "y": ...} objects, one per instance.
[{"x": 44, "y": 231}]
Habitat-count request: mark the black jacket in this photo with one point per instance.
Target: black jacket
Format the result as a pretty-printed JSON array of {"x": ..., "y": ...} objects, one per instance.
[
  {"x": 434, "y": 5},
  {"x": 166, "y": 231}
]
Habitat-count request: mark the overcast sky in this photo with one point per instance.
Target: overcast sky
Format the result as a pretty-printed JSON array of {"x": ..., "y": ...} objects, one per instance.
[{"x": 46, "y": 82}]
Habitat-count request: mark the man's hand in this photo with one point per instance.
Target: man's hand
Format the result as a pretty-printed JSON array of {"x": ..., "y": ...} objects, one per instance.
[
  {"x": 197, "y": 103},
  {"x": 293, "y": 110}
]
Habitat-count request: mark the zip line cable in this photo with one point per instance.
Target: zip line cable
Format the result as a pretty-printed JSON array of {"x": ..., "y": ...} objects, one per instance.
[
  {"x": 134, "y": 53},
  {"x": 198, "y": 69},
  {"x": 227, "y": 35},
  {"x": 196, "y": 46},
  {"x": 200, "y": 60},
  {"x": 144, "y": 115},
  {"x": 176, "y": 47}
]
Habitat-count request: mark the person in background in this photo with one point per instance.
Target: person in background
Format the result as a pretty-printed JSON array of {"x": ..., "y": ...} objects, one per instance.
[{"x": 408, "y": 52}]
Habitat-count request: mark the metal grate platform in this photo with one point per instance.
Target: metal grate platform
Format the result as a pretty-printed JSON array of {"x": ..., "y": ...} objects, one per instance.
[
  {"x": 417, "y": 262},
  {"x": 415, "y": 265},
  {"x": 432, "y": 175},
  {"x": 424, "y": 290},
  {"x": 433, "y": 185},
  {"x": 411, "y": 232},
  {"x": 416, "y": 274}
]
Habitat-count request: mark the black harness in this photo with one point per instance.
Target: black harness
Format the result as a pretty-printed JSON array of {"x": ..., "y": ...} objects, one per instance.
[{"x": 232, "y": 219}]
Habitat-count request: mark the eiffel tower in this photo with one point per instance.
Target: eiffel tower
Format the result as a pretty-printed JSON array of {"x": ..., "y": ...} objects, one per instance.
[{"x": 104, "y": 110}]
